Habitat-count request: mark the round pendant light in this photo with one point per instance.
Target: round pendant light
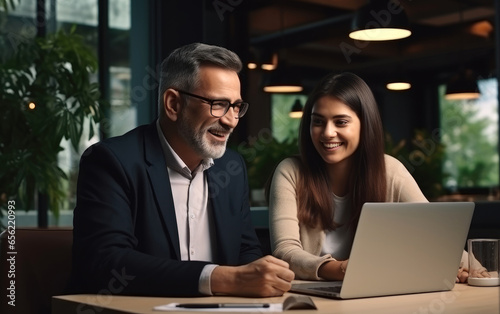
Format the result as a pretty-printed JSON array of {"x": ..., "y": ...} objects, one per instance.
[{"x": 380, "y": 20}]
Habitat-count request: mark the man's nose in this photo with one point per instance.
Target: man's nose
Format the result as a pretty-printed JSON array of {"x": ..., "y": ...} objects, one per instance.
[{"x": 230, "y": 118}]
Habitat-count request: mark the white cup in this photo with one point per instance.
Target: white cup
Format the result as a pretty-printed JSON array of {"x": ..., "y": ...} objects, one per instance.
[{"x": 483, "y": 262}]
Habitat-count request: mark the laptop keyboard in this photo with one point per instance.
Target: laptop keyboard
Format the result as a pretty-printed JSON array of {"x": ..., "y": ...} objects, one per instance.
[{"x": 334, "y": 289}]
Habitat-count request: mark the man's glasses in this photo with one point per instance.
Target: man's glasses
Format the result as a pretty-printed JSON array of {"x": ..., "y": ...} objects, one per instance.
[{"x": 219, "y": 107}]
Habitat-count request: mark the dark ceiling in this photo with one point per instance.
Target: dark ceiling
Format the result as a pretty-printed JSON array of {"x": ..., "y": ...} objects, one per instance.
[{"x": 312, "y": 36}]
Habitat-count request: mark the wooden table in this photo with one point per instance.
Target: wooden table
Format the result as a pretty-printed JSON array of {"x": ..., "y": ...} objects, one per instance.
[{"x": 462, "y": 299}]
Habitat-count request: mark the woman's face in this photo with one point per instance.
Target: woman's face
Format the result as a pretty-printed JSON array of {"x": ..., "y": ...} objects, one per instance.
[{"x": 335, "y": 130}]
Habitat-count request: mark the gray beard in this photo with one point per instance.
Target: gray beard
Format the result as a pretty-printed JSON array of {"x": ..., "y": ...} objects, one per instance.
[{"x": 198, "y": 141}]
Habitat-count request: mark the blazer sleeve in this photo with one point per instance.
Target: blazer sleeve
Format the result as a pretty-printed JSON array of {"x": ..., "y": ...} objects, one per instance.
[
  {"x": 250, "y": 248},
  {"x": 114, "y": 208},
  {"x": 228, "y": 184}
]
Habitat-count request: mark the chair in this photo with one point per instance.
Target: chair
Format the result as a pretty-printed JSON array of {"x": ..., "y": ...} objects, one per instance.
[
  {"x": 486, "y": 220},
  {"x": 260, "y": 220},
  {"x": 42, "y": 268}
]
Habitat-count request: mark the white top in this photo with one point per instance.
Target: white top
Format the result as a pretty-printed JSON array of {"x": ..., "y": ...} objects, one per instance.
[{"x": 338, "y": 242}]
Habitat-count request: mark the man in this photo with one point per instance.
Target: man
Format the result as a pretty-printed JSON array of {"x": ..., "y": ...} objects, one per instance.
[{"x": 163, "y": 210}]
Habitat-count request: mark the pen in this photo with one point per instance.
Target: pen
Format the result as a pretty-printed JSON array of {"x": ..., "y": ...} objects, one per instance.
[{"x": 222, "y": 305}]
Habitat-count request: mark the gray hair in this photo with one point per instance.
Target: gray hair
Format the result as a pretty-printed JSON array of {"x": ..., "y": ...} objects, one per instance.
[{"x": 180, "y": 69}]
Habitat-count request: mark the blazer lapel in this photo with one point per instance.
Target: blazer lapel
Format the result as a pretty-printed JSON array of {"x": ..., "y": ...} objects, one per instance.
[
  {"x": 225, "y": 221},
  {"x": 160, "y": 182}
]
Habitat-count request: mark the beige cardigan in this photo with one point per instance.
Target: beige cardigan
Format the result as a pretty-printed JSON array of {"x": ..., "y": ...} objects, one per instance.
[{"x": 300, "y": 245}]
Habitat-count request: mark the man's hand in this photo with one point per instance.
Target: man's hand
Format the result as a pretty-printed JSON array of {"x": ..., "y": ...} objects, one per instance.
[{"x": 265, "y": 277}]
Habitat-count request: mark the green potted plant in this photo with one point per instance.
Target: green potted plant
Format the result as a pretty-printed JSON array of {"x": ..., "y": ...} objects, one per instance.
[
  {"x": 261, "y": 156},
  {"x": 47, "y": 95},
  {"x": 423, "y": 157}
]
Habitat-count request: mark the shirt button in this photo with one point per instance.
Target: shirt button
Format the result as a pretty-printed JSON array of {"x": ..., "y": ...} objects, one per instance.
[
  {"x": 192, "y": 216},
  {"x": 192, "y": 252}
]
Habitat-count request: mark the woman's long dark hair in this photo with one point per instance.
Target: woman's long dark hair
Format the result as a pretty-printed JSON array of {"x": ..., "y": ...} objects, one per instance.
[{"x": 315, "y": 202}]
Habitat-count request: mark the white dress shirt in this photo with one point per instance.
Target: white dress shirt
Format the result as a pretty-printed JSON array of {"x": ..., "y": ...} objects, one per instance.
[{"x": 192, "y": 210}]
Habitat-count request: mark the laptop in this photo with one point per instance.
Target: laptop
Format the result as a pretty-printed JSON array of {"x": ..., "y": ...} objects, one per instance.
[{"x": 401, "y": 248}]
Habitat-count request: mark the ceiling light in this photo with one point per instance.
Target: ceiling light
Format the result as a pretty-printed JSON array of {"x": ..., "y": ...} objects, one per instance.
[
  {"x": 296, "y": 112},
  {"x": 252, "y": 60},
  {"x": 269, "y": 61},
  {"x": 482, "y": 28},
  {"x": 400, "y": 79},
  {"x": 252, "y": 65},
  {"x": 282, "y": 80},
  {"x": 400, "y": 85},
  {"x": 462, "y": 86},
  {"x": 283, "y": 88},
  {"x": 380, "y": 20}
]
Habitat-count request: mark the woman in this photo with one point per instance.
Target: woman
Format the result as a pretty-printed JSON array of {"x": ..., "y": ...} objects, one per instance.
[{"x": 315, "y": 199}]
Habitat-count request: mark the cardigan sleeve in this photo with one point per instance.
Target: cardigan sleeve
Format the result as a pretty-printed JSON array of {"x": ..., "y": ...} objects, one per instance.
[
  {"x": 291, "y": 241},
  {"x": 401, "y": 186}
]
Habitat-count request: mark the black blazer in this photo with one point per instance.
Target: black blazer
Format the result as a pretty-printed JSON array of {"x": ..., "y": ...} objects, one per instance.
[{"x": 125, "y": 230}]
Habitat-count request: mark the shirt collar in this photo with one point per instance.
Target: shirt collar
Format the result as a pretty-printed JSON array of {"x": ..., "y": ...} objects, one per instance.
[{"x": 173, "y": 160}]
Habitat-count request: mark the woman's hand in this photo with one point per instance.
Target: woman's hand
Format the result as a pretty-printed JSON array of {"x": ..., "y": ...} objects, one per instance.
[
  {"x": 463, "y": 274},
  {"x": 480, "y": 273},
  {"x": 333, "y": 270}
]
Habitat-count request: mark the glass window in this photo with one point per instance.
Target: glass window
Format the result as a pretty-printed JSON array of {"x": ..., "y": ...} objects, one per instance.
[
  {"x": 469, "y": 131},
  {"x": 84, "y": 15},
  {"x": 20, "y": 25},
  {"x": 122, "y": 115},
  {"x": 285, "y": 128},
  {"x": 17, "y": 26},
  {"x": 271, "y": 146},
  {"x": 82, "y": 12}
]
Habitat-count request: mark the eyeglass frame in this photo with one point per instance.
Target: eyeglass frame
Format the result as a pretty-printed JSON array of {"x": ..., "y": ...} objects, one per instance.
[{"x": 242, "y": 104}]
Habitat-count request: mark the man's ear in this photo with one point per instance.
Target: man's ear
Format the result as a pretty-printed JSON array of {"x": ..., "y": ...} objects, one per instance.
[{"x": 171, "y": 104}]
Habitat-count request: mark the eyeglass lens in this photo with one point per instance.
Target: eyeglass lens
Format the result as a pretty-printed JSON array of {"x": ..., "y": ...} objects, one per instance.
[{"x": 220, "y": 108}]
